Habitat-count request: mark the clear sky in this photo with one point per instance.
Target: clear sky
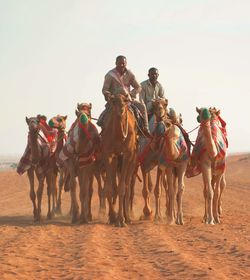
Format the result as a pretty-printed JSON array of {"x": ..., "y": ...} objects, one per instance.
[{"x": 55, "y": 53}]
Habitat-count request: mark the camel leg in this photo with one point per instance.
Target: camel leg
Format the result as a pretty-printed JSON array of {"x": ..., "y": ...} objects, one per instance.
[
  {"x": 121, "y": 193},
  {"x": 32, "y": 191},
  {"x": 49, "y": 194},
  {"x": 108, "y": 189},
  {"x": 180, "y": 175},
  {"x": 165, "y": 185},
  {"x": 39, "y": 196},
  {"x": 132, "y": 192},
  {"x": 89, "y": 196},
  {"x": 147, "y": 212},
  {"x": 150, "y": 182},
  {"x": 128, "y": 183},
  {"x": 74, "y": 204},
  {"x": 208, "y": 193},
  {"x": 216, "y": 198},
  {"x": 83, "y": 178},
  {"x": 72, "y": 184},
  {"x": 59, "y": 197},
  {"x": 54, "y": 192},
  {"x": 222, "y": 187},
  {"x": 101, "y": 195},
  {"x": 157, "y": 193},
  {"x": 171, "y": 195}
]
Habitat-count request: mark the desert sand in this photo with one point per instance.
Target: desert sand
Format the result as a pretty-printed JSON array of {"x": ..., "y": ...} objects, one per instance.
[{"x": 57, "y": 249}]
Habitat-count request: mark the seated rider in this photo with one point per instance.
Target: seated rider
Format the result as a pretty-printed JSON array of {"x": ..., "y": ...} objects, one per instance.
[
  {"x": 151, "y": 89},
  {"x": 118, "y": 81}
]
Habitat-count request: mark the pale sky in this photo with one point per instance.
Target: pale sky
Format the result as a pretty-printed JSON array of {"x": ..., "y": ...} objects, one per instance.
[{"x": 55, "y": 53}]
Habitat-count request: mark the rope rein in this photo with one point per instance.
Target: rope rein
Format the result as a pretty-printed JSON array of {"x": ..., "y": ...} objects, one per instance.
[{"x": 125, "y": 133}]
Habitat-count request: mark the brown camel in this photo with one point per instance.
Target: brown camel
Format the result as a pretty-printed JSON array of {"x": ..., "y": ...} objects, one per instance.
[
  {"x": 169, "y": 152},
  {"x": 58, "y": 122},
  {"x": 79, "y": 155},
  {"x": 35, "y": 160},
  {"x": 208, "y": 156},
  {"x": 119, "y": 143}
]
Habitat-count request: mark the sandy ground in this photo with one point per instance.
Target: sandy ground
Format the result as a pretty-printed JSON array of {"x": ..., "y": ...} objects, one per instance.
[{"x": 144, "y": 250}]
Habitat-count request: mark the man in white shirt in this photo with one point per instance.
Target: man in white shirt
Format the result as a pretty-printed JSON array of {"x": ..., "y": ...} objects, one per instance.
[{"x": 151, "y": 89}]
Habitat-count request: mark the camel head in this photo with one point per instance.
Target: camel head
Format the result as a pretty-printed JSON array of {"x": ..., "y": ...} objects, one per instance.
[
  {"x": 160, "y": 107},
  {"x": 214, "y": 112},
  {"x": 119, "y": 103},
  {"x": 58, "y": 122},
  {"x": 33, "y": 124},
  {"x": 175, "y": 118},
  {"x": 204, "y": 114},
  {"x": 83, "y": 108}
]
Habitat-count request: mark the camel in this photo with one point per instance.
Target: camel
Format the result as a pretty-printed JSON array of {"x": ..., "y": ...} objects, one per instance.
[
  {"x": 35, "y": 160},
  {"x": 119, "y": 143},
  {"x": 79, "y": 155},
  {"x": 169, "y": 152},
  {"x": 58, "y": 122},
  {"x": 209, "y": 155}
]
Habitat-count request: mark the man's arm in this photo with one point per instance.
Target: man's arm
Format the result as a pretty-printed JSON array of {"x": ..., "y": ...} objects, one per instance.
[
  {"x": 161, "y": 92},
  {"x": 106, "y": 85},
  {"x": 136, "y": 86}
]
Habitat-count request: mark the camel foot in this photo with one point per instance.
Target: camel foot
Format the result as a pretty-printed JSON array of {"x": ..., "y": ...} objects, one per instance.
[
  {"x": 49, "y": 216},
  {"x": 128, "y": 221},
  {"x": 217, "y": 220},
  {"x": 157, "y": 219},
  {"x": 171, "y": 220},
  {"x": 147, "y": 217},
  {"x": 58, "y": 210},
  {"x": 38, "y": 218},
  {"x": 75, "y": 218},
  {"x": 209, "y": 221},
  {"x": 112, "y": 219},
  {"x": 179, "y": 221},
  {"x": 120, "y": 224},
  {"x": 84, "y": 220}
]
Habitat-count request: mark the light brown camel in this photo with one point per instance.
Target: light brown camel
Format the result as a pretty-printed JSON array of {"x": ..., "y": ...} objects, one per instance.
[
  {"x": 119, "y": 137},
  {"x": 79, "y": 155},
  {"x": 58, "y": 122},
  {"x": 35, "y": 160},
  {"x": 170, "y": 153},
  {"x": 209, "y": 155}
]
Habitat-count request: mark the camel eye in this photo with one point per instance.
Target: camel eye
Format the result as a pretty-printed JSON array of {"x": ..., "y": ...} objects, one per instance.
[{"x": 59, "y": 120}]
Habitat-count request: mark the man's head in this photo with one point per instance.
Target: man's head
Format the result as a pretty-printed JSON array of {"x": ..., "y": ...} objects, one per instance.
[
  {"x": 121, "y": 63},
  {"x": 153, "y": 75}
]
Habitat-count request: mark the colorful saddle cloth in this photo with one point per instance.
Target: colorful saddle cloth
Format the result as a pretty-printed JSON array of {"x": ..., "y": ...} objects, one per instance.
[
  {"x": 42, "y": 165},
  {"x": 69, "y": 149},
  {"x": 220, "y": 140}
]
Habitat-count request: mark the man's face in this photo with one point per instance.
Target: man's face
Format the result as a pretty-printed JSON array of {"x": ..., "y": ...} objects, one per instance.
[
  {"x": 121, "y": 64},
  {"x": 153, "y": 75}
]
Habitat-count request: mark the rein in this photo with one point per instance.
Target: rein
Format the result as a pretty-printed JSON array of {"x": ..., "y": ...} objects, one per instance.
[{"x": 125, "y": 133}]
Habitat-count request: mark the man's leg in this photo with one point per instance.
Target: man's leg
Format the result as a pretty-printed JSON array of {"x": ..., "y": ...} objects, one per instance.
[{"x": 143, "y": 110}]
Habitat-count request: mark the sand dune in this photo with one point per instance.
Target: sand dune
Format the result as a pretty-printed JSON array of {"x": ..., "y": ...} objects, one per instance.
[{"x": 144, "y": 250}]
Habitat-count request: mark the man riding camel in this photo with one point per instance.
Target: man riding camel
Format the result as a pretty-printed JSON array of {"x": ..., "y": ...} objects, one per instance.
[{"x": 119, "y": 81}]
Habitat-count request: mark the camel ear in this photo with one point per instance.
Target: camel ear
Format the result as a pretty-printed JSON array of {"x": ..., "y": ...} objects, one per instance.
[
  {"x": 198, "y": 110},
  {"x": 90, "y": 106},
  {"x": 78, "y": 106},
  {"x": 27, "y": 120},
  {"x": 65, "y": 117}
]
